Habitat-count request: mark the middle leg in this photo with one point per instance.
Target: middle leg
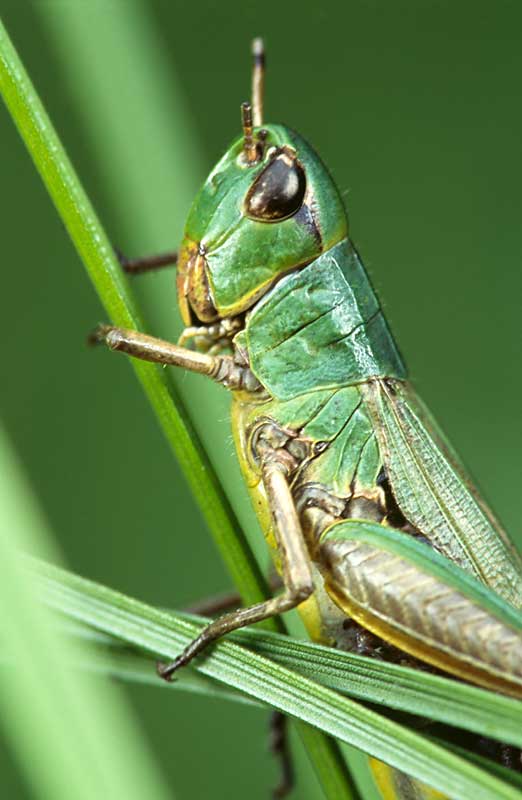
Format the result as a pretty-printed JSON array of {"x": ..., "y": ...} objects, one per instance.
[{"x": 297, "y": 573}]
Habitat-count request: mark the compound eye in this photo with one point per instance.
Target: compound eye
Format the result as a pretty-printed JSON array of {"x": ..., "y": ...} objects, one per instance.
[{"x": 278, "y": 192}]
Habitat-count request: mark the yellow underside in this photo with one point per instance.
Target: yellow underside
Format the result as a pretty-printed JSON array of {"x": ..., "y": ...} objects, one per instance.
[
  {"x": 394, "y": 785},
  {"x": 391, "y": 784},
  {"x": 423, "y": 650}
]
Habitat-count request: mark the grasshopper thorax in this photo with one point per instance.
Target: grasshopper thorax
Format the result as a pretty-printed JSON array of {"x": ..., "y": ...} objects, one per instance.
[{"x": 267, "y": 208}]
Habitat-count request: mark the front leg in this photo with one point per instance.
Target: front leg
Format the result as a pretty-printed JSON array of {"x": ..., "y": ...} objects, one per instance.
[
  {"x": 222, "y": 369},
  {"x": 297, "y": 573}
]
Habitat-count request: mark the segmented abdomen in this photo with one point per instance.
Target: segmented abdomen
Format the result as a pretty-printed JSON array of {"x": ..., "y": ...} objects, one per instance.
[{"x": 421, "y": 614}]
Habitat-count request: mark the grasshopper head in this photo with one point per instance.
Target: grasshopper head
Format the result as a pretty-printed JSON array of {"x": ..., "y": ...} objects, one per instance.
[{"x": 268, "y": 207}]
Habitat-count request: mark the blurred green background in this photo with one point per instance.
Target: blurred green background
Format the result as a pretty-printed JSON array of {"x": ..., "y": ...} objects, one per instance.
[{"x": 415, "y": 106}]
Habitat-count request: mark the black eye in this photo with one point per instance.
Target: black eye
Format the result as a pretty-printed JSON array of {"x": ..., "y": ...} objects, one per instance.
[{"x": 278, "y": 192}]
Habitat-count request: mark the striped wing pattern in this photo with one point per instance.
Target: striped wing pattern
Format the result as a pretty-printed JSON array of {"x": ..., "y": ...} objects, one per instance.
[
  {"x": 433, "y": 493},
  {"x": 395, "y": 599}
]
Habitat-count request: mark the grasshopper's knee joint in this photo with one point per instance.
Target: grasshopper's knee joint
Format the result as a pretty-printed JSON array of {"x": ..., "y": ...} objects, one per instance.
[
  {"x": 298, "y": 593},
  {"x": 302, "y": 593}
]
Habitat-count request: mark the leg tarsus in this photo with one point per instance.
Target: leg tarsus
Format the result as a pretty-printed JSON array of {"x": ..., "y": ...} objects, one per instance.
[
  {"x": 297, "y": 574},
  {"x": 238, "y": 619},
  {"x": 166, "y": 671},
  {"x": 98, "y": 335},
  {"x": 280, "y": 749}
]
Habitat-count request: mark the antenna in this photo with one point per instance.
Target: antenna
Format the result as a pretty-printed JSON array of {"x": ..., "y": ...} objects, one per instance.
[
  {"x": 249, "y": 146},
  {"x": 258, "y": 81}
]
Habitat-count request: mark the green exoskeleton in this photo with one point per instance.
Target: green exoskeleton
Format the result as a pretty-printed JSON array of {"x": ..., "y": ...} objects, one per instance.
[{"x": 372, "y": 521}]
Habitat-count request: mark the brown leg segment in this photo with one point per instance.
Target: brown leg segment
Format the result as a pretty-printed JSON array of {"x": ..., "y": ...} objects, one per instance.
[
  {"x": 149, "y": 348},
  {"x": 297, "y": 575},
  {"x": 219, "y": 603},
  {"x": 280, "y": 749},
  {"x": 222, "y": 369},
  {"x": 136, "y": 266}
]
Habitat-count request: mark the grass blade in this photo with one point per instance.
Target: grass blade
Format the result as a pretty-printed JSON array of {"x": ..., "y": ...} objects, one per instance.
[
  {"x": 163, "y": 636},
  {"x": 432, "y": 696},
  {"x": 132, "y": 667},
  {"x": 95, "y": 749},
  {"x": 407, "y": 690}
]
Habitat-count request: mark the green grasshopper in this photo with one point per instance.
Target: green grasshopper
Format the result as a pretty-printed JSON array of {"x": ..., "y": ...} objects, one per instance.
[{"x": 371, "y": 520}]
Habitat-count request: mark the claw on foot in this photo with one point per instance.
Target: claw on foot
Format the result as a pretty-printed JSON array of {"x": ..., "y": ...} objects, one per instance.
[
  {"x": 166, "y": 671},
  {"x": 163, "y": 671}
]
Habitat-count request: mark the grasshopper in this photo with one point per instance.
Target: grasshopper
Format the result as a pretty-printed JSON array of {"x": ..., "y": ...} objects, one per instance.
[{"x": 370, "y": 517}]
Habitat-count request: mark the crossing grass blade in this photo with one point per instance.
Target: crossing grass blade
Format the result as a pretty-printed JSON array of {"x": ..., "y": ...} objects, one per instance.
[
  {"x": 71, "y": 736},
  {"x": 392, "y": 686},
  {"x": 162, "y": 636}
]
